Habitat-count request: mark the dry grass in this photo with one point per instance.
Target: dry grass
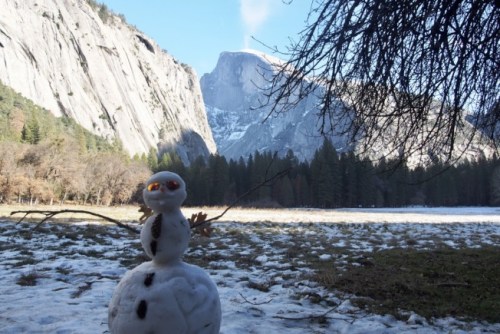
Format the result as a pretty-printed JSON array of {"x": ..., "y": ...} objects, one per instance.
[
  {"x": 29, "y": 279},
  {"x": 462, "y": 283}
]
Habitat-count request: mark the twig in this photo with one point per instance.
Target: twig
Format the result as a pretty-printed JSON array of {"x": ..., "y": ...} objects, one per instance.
[
  {"x": 254, "y": 303},
  {"x": 309, "y": 317},
  {"x": 322, "y": 316},
  {"x": 49, "y": 214}
]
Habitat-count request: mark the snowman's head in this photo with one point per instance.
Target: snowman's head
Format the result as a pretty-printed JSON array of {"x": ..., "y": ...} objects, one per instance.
[{"x": 164, "y": 192}]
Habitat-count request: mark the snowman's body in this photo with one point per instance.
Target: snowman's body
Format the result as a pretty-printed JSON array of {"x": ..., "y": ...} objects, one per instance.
[
  {"x": 165, "y": 295},
  {"x": 154, "y": 299}
]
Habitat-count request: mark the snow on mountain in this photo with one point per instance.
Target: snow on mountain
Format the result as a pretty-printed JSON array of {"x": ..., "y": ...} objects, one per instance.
[{"x": 76, "y": 58}]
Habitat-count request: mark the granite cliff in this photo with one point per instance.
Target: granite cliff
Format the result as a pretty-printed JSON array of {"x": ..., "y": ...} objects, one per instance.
[{"x": 76, "y": 58}]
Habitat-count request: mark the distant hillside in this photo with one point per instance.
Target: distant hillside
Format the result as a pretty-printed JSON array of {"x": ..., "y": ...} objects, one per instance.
[{"x": 21, "y": 120}]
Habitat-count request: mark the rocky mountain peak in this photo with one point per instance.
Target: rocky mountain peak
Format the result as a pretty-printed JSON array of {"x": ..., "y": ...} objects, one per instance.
[
  {"x": 239, "y": 75},
  {"x": 233, "y": 95}
]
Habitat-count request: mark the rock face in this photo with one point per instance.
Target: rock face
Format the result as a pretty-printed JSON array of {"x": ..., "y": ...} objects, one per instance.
[
  {"x": 233, "y": 90},
  {"x": 236, "y": 86},
  {"x": 75, "y": 58}
]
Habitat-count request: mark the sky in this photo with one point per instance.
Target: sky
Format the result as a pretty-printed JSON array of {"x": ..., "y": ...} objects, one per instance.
[{"x": 195, "y": 32}]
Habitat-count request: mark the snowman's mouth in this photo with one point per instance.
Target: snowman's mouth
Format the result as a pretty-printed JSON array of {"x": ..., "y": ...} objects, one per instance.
[
  {"x": 162, "y": 197},
  {"x": 161, "y": 201}
]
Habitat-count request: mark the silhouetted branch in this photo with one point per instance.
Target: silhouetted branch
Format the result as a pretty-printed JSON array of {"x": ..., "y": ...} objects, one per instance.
[{"x": 397, "y": 75}]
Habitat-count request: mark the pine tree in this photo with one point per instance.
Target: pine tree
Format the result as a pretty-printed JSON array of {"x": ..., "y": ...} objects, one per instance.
[
  {"x": 366, "y": 184},
  {"x": 26, "y": 134},
  {"x": 325, "y": 182},
  {"x": 495, "y": 184},
  {"x": 219, "y": 179},
  {"x": 197, "y": 183},
  {"x": 165, "y": 162},
  {"x": 81, "y": 140},
  {"x": 153, "y": 159},
  {"x": 283, "y": 192},
  {"x": 30, "y": 133}
]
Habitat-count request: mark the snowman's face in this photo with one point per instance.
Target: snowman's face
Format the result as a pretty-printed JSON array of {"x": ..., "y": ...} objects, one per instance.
[{"x": 165, "y": 191}]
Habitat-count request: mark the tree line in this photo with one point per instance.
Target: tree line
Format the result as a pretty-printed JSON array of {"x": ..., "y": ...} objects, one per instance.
[
  {"x": 53, "y": 171},
  {"x": 44, "y": 159},
  {"x": 332, "y": 180}
]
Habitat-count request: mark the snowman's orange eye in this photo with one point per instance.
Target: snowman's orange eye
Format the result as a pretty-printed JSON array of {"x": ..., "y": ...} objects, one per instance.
[
  {"x": 154, "y": 186},
  {"x": 173, "y": 185}
]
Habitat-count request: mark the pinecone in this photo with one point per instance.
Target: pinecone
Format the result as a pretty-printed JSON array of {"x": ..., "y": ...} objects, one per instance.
[{"x": 156, "y": 227}]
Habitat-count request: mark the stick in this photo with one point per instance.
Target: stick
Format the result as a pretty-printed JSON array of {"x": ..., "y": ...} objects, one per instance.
[
  {"x": 256, "y": 303},
  {"x": 49, "y": 214},
  {"x": 316, "y": 317}
]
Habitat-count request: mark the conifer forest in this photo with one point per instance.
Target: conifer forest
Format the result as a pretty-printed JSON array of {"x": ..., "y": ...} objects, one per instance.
[{"x": 53, "y": 172}]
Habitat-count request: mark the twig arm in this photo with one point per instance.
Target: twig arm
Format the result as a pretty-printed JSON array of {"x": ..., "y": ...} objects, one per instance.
[{"x": 49, "y": 214}]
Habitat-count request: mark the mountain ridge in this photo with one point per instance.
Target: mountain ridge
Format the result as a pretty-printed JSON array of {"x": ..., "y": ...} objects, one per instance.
[{"x": 242, "y": 124}]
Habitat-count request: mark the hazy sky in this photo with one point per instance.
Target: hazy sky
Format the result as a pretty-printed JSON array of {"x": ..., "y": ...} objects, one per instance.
[{"x": 197, "y": 31}]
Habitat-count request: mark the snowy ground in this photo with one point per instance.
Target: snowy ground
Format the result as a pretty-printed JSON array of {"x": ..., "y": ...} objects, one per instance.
[{"x": 256, "y": 257}]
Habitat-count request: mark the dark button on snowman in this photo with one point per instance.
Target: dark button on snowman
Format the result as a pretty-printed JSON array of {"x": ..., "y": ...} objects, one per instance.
[{"x": 165, "y": 295}]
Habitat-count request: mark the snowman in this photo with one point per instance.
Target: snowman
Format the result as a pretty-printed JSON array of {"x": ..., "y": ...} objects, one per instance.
[{"x": 165, "y": 295}]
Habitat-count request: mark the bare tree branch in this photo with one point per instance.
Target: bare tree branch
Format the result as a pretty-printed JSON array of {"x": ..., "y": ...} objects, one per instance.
[
  {"x": 412, "y": 74},
  {"x": 49, "y": 214}
]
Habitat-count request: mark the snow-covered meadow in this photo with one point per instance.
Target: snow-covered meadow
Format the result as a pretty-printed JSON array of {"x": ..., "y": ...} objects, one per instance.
[{"x": 60, "y": 277}]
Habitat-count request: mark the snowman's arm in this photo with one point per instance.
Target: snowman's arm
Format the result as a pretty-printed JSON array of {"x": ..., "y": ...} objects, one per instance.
[{"x": 51, "y": 213}]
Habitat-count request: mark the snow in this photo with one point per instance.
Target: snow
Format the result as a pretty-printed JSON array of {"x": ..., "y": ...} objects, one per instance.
[
  {"x": 273, "y": 60},
  {"x": 78, "y": 267},
  {"x": 236, "y": 135}
]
